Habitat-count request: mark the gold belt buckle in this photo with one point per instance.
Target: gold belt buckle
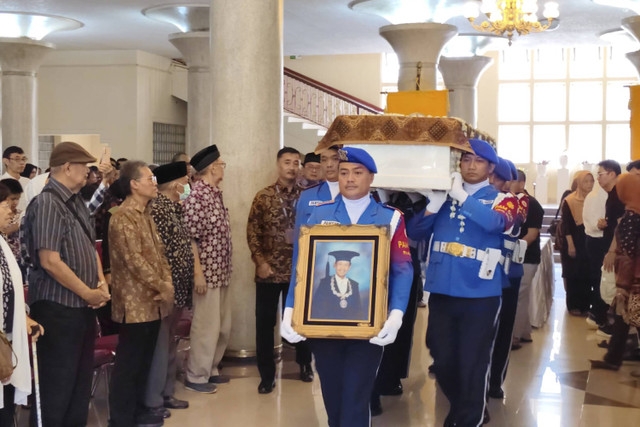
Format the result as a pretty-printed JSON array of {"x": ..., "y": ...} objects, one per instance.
[{"x": 455, "y": 249}]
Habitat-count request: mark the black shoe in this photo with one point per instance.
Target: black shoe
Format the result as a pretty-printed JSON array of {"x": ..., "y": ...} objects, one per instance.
[
  {"x": 266, "y": 387},
  {"x": 173, "y": 403},
  {"x": 603, "y": 344},
  {"x": 149, "y": 420},
  {"x": 392, "y": 391},
  {"x": 486, "y": 418},
  {"x": 496, "y": 393},
  {"x": 159, "y": 411},
  {"x": 375, "y": 406},
  {"x": 601, "y": 364},
  {"x": 219, "y": 379},
  {"x": 306, "y": 373},
  {"x": 432, "y": 369}
]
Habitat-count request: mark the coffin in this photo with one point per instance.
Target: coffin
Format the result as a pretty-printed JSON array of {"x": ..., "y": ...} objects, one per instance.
[{"x": 412, "y": 153}]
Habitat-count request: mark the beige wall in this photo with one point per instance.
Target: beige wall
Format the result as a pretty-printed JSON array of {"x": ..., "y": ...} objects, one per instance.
[
  {"x": 114, "y": 94},
  {"x": 356, "y": 75}
]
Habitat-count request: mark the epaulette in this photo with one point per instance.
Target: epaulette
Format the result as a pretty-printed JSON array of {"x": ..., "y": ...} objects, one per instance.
[{"x": 392, "y": 207}]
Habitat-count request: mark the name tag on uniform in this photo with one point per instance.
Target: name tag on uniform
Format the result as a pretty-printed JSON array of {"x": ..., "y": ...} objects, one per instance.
[
  {"x": 314, "y": 202},
  {"x": 486, "y": 202},
  {"x": 326, "y": 222}
]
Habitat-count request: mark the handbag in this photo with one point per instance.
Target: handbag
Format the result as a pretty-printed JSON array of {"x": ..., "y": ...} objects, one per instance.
[
  {"x": 7, "y": 357},
  {"x": 556, "y": 230},
  {"x": 633, "y": 305}
]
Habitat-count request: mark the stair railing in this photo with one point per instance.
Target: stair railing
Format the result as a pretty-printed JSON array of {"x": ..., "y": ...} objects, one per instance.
[{"x": 318, "y": 102}]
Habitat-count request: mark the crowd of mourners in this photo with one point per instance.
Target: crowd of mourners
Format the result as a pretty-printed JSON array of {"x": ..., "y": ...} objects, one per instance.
[
  {"x": 134, "y": 250},
  {"x": 598, "y": 234}
]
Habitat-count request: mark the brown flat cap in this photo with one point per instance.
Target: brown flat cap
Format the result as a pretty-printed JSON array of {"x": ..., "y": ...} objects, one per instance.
[{"x": 69, "y": 152}]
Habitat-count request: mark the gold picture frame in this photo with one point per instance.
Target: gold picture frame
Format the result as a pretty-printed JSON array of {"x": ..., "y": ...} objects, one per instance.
[{"x": 349, "y": 305}]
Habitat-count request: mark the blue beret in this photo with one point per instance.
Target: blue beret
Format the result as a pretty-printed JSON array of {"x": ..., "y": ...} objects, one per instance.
[
  {"x": 358, "y": 155},
  {"x": 484, "y": 150},
  {"x": 514, "y": 171},
  {"x": 502, "y": 170}
]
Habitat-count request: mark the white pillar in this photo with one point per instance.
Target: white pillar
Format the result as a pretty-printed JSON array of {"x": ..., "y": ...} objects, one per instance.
[
  {"x": 461, "y": 77},
  {"x": 246, "y": 124},
  {"x": 418, "y": 47},
  {"x": 19, "y": 61},
  {"x": 195, "y": 50}
]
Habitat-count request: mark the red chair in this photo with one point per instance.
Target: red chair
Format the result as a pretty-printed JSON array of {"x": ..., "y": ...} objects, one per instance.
[{"x": 104, "y": 356}]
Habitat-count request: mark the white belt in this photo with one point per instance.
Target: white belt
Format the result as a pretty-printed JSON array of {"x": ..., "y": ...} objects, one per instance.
[
  {"x": 463, "y": 251},
  {"x": 509, "y": 244}
]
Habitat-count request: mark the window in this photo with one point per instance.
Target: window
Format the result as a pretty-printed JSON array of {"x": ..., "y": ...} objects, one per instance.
[
  {"x": 551, "y": 100},
  {"x": 168, "y": 140}
]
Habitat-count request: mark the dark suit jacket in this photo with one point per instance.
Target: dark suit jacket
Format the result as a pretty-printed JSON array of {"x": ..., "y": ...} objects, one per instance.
[{"x": 325, "y": 305}]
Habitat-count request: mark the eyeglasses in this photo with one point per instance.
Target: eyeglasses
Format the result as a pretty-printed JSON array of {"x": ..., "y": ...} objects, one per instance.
[
  {"x": 221, "y": 164},
  {"x": 19, "y": 159},
  {"x": 150, "y": 179}
]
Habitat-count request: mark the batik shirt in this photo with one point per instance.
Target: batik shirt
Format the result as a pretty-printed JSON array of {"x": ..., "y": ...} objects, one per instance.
[
  {"x": 177, "y": 242},
  {"x": 207, "y": 220},
  {"x": 271, "y": 219}
]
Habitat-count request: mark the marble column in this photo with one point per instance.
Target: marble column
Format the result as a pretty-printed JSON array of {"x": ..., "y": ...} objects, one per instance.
[
  {"x": 19, "y": 62},
  {"x": 461, "y": 77},
  {"x": 246, "y": 124},
  {"x": 195, "y": 50},
  {"x": 418, "y": 47}
]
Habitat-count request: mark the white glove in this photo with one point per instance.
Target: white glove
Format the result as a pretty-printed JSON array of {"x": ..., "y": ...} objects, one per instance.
[
  {"x": 286, "y": 331},
  {"x": 436, "y": 199},
  {"x": 390, "y": 329},
  {"x": 457, "y": 191}
]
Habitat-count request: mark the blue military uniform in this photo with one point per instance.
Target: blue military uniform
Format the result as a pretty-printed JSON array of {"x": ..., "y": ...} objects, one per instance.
[
  {"x": 465, "y": 295},
  {"x": 309, "y": 199},
  {"x": 347, "y": 368}
]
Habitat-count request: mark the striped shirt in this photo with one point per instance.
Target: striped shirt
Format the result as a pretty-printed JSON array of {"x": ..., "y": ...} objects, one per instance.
[{"x": 57, "y": 229}]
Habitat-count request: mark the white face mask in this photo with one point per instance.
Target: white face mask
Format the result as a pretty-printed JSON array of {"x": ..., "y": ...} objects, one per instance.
[{"x": 186, "y": 190}]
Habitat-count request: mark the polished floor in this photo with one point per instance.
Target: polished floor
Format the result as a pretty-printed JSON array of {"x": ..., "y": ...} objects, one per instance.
[{"x": 549, "y": 384}]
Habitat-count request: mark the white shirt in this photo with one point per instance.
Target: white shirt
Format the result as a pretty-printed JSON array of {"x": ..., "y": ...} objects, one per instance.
[
  {"x": 334, "y": 188},
  {"x": 22, "y": 203},
  {"x": 472, "y": 188},
  {"x": 355, "y": 208},
  {"x": 342, "y": 283},
  {"x": 35, "y": 186},
  {"x": 593, "y": 210}
]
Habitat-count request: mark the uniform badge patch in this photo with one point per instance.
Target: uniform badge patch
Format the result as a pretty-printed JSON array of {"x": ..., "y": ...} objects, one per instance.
[{"x": 327, "y": 222}]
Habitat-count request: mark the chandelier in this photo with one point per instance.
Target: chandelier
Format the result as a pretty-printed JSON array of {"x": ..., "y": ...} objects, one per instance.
[{"x": 509, "y": 16}]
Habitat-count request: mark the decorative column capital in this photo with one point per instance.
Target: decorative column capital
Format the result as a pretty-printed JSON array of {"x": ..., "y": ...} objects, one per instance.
[
  {"x": 194, "y": 47},
  {"x": 634, "y": 57},
  {"x": 22, "y": 56},
  {"x": 463, "y": 71},
  {"x": 632, "y": 25}
]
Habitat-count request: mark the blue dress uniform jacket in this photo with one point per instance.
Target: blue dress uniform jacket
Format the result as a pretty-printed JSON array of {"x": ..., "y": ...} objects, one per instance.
[
  {"x": 401, "y": 268},
  {"x": 457, "y": 276},
  {"x": 309, "y": 199}
]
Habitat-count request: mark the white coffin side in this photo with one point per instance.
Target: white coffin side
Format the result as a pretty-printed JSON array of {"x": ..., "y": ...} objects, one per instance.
[{"x": 410, "y": 167}]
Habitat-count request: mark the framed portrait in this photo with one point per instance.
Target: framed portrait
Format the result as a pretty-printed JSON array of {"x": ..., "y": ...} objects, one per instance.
[{"x": 342, "y": 281}]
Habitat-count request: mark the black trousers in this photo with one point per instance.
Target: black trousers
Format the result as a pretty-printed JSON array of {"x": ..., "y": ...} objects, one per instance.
[
  {"x": 618, "y": 341},
  {"x": 597, "y": 248},
  {"x": 9, "y": 408},
  {"x": 129, "y": 378},
  {"x": 65, "y": 363},
  {"x": 347, "y": 371},
  {"x": 397, "y": 356},
  {"x": 502, "y": 346},
  {"x": 267, "y": 297},
  {"x": 461, "y": 342}
]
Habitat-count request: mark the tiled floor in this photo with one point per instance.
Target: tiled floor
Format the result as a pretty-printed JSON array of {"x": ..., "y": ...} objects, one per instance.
[{"x": 549, "y": 384}]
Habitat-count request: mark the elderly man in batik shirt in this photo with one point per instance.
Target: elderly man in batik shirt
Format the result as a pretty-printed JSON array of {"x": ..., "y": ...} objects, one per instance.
[
  {"x": 173, "y": 186},
  {"x": 270, "y": 234},
  {"x": 142, "y": 294},
  {"x": 208, "y": 222}
]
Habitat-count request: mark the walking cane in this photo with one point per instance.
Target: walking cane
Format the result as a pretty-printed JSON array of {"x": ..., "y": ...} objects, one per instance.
[{"x": 36, "y": 379}]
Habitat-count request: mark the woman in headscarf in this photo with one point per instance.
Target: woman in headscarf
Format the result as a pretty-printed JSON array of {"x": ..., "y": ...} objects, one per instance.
[
  {"x": 30, "y": 171},
  {"x": 627, "y": 270},
  {"x": 573, "y": 254}
]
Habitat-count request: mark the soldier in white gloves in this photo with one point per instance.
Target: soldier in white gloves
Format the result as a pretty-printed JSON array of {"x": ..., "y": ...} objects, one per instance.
[{"x": 347, "y": 367}]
